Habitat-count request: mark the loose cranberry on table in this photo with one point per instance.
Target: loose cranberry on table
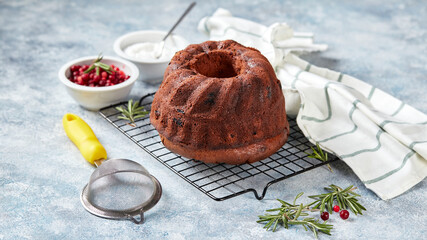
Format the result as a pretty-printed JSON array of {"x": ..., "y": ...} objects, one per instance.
[
  {"x": 336, "y": 208},
  {"x": 324, "y": 216},
  {"x": 97, "y": 74},
  {"x": 344, "y": 214}
]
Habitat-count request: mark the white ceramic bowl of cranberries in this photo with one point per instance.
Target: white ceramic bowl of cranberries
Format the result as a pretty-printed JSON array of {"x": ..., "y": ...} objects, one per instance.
[
  {"x": 115, "y": 89},
  {"x": 131, "y": 47}
]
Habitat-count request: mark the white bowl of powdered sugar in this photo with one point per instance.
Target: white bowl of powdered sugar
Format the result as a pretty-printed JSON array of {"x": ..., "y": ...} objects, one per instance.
[{"x": 142, "y": 48}]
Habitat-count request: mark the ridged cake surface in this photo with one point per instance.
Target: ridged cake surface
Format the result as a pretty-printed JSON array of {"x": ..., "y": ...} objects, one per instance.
[{"x": 220, "y": 102}]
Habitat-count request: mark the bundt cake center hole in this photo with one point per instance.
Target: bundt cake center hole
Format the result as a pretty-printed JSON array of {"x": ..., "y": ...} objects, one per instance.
[{"x": 216, "y": 64}]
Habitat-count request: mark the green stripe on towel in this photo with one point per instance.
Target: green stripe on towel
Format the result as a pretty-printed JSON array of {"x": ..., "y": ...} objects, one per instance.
[
  {"x": 340, "y": 77},
  {"x": 396, "y": 122},
  {"x": 367, "y": 149},
  {"x": 328, "y": 102},
  {"x": 411, "y": 146},
  {"x": 355, "y": 127},
  {"x": 296, "y": 78},
  {"x": 405, "y": 159},
  {"x": 206, "y": 26},
  {"x": 398, "y": 110},
  {"x": 371, "y": 93}
]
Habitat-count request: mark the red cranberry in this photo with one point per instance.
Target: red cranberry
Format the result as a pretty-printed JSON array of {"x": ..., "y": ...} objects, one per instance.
[
  {"x": 344, "y": 214},
  {"x": 91, "y": 79},
  {"x": 336, "y": 208},
  {"x": 80, "y": 81},
  {"x": 85, "y": 76},
  {"x": 74, "y": 68},
  {"x": 84, "y": 67},
  {"x": 324, "y": 216}
]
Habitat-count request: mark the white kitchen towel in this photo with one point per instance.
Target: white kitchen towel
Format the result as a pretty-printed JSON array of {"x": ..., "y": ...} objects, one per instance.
[{"x": 382, "y": 139}]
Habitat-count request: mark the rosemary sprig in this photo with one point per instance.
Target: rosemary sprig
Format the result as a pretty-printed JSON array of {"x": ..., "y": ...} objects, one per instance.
[
  {"x": 289, "y": 214},
  {"x": 319, "y": 154},
  {"x": 133, "y": 112},
  {"x": 97, "y": 64},
  {"x": 345, "y": 198}
]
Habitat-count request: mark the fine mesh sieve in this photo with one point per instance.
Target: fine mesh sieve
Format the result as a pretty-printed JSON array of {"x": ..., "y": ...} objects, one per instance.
[
  {"x": 118, "y": 188},
  {"x": 121, "y": 189}
]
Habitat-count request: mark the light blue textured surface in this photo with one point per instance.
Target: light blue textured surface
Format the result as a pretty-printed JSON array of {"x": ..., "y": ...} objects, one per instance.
[{"x": 42, "y": 172}]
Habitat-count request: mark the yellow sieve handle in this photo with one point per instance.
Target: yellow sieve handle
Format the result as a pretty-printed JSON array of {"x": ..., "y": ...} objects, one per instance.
[{"x": 83, "y": 137}]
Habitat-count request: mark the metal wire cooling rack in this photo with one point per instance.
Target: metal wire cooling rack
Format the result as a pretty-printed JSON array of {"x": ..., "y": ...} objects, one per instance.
[{"x": 221, "y": 181}]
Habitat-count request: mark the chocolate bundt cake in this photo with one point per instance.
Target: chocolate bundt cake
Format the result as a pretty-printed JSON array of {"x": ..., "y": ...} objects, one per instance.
[{"x": 220, "y": 102}]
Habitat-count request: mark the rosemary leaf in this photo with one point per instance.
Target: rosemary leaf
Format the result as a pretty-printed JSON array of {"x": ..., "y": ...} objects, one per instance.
[
  {"x": 345, "y": 198},
  {"x": 283, "y": 202},
  {"x": 361, "y": 207},
  {"x": 267, "y": 226},
  {"x": 322, "y": 205},
  {"x": 298, "y": 212},
  {"x": 340, "y": 201},
  {"x": 347, "y": 188},
  {"x": 132, "y": 112},
  {"x": 305, "y": 227},
  {"x": 141, "y": 115},
  {"x": 317, "y": 206},
  {"x": 290, "y": 214},
  {"x": 299, "y": 195},
  {"x": 315, "y": 232},
  {"x": 275, "y": 224},
  {"x": 352, "y": 208},
  {"x": 273, "y": 210},
  {"x": 90, "y": 69},
  {"x": 319, "y": 154},
  {"x": 330, "y": 203}
]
